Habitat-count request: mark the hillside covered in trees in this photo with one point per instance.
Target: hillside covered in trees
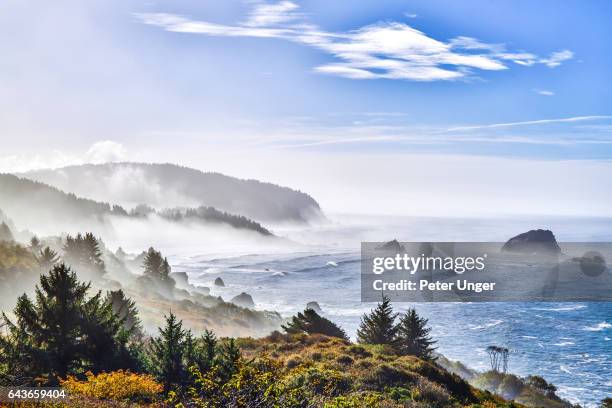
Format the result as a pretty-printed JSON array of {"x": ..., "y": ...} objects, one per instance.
[
  {"x": 38, "y": 206},
  {"x": 92, "y": 344},
  {"x": 146, "y": 277},
  {"x": 169, "y": 185}
]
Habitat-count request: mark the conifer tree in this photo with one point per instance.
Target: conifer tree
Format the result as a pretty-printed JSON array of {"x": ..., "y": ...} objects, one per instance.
[
  {"x": 125, "y": 309},
  {"x": 47, "y": 258},
  {"x": 311, "y": 322},
  {"x": 378, "y": 327},
  {"x": 196, "y": 355},
  {"x": 229, "y": 356},
  {"x": 209, "y": 345},
  {"x": 35, "y": 244},
  {"x": 168, "y": 352},
  {"x": 84, "y": 254},
  {"x": 413, "y": 336},
  {"x": 62, "y": 332},
  {"x": 157, "y": 267}
]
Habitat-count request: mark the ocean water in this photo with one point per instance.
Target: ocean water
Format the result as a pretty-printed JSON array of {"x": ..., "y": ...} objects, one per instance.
[{"x": 569, "y": 344}]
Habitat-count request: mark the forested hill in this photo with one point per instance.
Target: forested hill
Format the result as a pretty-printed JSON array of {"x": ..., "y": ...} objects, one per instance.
[
  {"x": 169, "y": 185},
  {"x": 27, "y": 202},
  {"x": 31, "y": 204}
]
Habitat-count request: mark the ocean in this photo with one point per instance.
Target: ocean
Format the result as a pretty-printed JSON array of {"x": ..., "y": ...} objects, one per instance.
[{"x": 569, "y": 343}]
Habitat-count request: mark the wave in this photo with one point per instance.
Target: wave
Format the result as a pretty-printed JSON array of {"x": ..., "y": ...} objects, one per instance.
[
  {"x": 486, "y": 326},
  {"x": 562, "y": 309},
  {"x": 326, "y": 266},
  {"x": 564, "y": 343},
  {"x": 598, "y": 327}
]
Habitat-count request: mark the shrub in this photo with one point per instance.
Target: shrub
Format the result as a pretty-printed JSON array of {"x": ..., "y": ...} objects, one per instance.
[
  {"x": 345, "y": 360},
  {"x": 359, "y": 351},
  {"x": 117, "y": 385},
  {"x": 385, "y": 375},
  {"x": 361, "y": 400}
]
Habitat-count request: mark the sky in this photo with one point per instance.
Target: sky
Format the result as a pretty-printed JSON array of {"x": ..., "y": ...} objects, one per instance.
[{"x": 390, "y": 107}]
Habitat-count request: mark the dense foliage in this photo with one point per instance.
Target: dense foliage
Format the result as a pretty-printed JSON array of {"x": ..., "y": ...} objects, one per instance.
[
  {"x": 409, "y": 336},
  {"x": 115, "y": 386},
  {"x": 310, "y": 322},
  {"x": 62, "y": 331},
  {"x": 93, "y": 346}
]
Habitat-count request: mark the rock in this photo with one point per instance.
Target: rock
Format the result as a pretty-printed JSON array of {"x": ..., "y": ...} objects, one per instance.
[
  {"x": 314, "y": 306},
  {"x": 244, "y": 300},
  {"x": 392, "y": 246},
  {"x": 219, "y": 282},
  {"x": 541, "y": 242}
]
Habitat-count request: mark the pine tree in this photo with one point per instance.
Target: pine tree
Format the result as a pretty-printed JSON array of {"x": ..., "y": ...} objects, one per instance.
[
  {"x": 311, "y": 322},
  {"x": 229, "y": 356},
  {"x": 35, "y": 244},
  {"x": 84, "y": 254},
  {"x": 63, "y": 331},
  {"x": 47, "y": 258},
  {"x": 209, "y": 345},
  {"x": 413, "y": 336},
  {"x": 157, "y": 267},
  {"x": 168, "y": 352},
  {"x": 125, "y": 309},
  {"x": 102, "y": 329},
  {"x": 378, "y": 327}
]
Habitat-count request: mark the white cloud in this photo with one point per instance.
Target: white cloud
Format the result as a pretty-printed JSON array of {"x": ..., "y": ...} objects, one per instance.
[
  {"x": 556, "y": 58},
  {"x": 266, "y": 14},
  {"x": 530, "y": 122},
  {"x": 390, "y": 50},
  {"x": 99, "y": 152},
  {"x": 544, "y": 92},
  {"x": 106, "y": 151}
]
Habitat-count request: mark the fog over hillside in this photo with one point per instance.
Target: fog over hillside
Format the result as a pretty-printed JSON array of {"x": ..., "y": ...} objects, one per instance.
[
  {"x": 45, "y": 210},
  {"x": 168, "y": 185}
]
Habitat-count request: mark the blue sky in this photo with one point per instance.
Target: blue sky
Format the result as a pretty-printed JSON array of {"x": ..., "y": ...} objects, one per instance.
[{"x": 214, "y": 84}]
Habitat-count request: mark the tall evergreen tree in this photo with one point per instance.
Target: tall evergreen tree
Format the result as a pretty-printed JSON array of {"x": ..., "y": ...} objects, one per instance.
[
  {"x": 168, "y": 351},
  {"x": 229, "y": 356},
  {"x": 125, "y": 309},
  {"x": 157, "y": 267},
  {"x": 311, "y": 322},
  {"x": 413, "y": 336},
  {"x": 378, "y": 327},
  {"x": 84, "y": 254},
  {"x": 63, "y": 331}
]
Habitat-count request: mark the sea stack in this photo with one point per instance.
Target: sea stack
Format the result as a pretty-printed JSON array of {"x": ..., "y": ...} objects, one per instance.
[
  {"x": 533, "y": 242},
  {"x": 219, "y": 282},
  {"x": 392, "y": 246},
  {"x": 244, "y": 300}
]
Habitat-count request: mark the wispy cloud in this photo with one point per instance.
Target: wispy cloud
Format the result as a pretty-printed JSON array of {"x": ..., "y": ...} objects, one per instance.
[
  {"x": 264, "y": 14},
  {"x": 544, "y": 92},
  {"x": 355, "y": 134},
  {"x": 556, "y": 58},
  {"x": 390, "y": 50},
  {"x": 529, "y": 122}
]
